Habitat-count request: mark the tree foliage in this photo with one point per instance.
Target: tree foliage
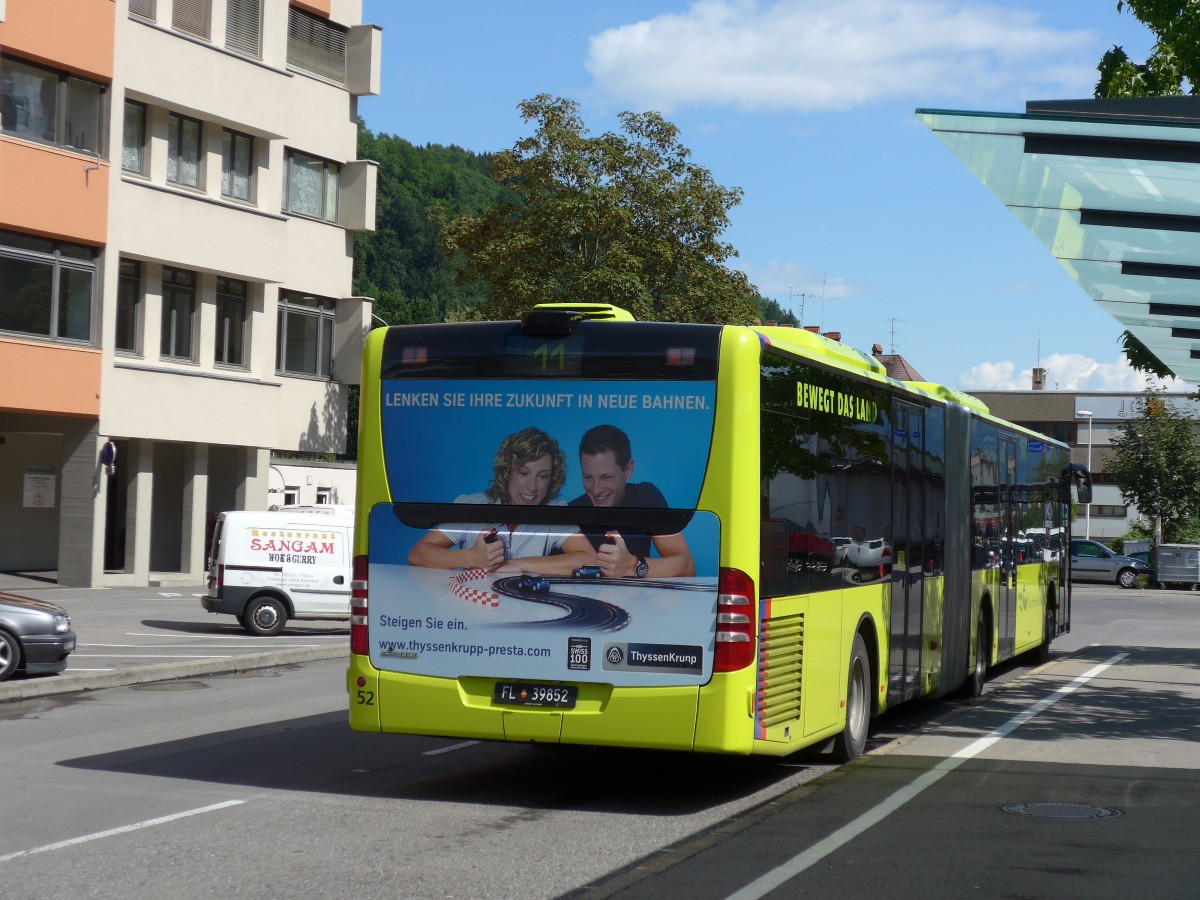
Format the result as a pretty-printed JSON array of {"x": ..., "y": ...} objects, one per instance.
[
  {"x": 621, "y": 218},
  {"x": 401, "y": 264},
  {"x": 1173, "y": 66},
  {"x": 1142, "y": 358},
  {"x": 1171, "y": 69},
  {"x": 770, "y": 311},
  {"x": 1156, "y": 464}
]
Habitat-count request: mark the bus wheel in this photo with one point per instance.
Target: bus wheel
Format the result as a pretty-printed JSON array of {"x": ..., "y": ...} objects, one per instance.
[
  {"x": 1042, "y": 653},
  {"x": 851, "y": 743},
  {"x": 974, "y": 686},
  {"x": 264, "y": 616}
]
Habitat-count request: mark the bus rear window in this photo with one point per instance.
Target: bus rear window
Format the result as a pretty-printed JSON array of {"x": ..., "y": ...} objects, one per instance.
[{"x": 592, "y": 351}]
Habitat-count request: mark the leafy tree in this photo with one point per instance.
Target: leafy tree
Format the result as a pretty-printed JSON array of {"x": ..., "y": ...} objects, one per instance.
[
  {"x": 401, "y": 264},
  {"x": 1156, "y": 464},
  {"x": 622, "y": 218},
  {"x": 770, "y": 311},
  {"x": 1173, "y": 66}
]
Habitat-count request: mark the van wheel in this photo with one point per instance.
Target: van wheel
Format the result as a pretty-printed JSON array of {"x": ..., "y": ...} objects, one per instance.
[
  {"x": 851, "y": 743},
  {"x": 264, "y": 616}
]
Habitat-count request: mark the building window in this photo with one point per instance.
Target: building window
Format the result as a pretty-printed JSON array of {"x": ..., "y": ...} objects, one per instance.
[
  {"x": 316, "y": 45},
  {"x": 324, "y": 496},
  {"x": 133, "y": 138},
  {"x": 291, "y": 496},
  {"x": 310, "y": 186},
  {"x": 305, "y": 335},
  {"x": 237, "y": 165},
  {"x": 183, "y": 151},
  {"x": 231, "y": 321},
  {"x": 53, "y": 107},
  {"x": 143, "y": 8},
  {"x": 243, "y": 27},
  {"x": 190, "y": 16},
  {"x": 1108, "y": 511},
  {"x": 179, "y": 311},
  {"x": 129, "y": 305},
  {"x": 46, "y": 288}
]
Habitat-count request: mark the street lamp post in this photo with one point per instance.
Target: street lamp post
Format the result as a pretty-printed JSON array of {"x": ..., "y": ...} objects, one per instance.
[{"x": 1087, "y": 414}]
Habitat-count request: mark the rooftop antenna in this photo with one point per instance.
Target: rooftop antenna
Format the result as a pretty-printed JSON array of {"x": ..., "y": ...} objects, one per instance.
[{"x": 801, "y": 296}]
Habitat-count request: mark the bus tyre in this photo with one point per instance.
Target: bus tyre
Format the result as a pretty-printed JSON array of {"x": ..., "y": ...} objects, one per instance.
[
  {"x": 1042, "y": 654},
  {"x": 851, "y": 743},
  {"x": 1125, "y": 578},
  {"x": 978, "y": 676},
  {"x": 264, "y": 616}
]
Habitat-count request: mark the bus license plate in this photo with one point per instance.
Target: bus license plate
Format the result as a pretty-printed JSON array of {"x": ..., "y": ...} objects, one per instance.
[{"x": 556, "y": 696}]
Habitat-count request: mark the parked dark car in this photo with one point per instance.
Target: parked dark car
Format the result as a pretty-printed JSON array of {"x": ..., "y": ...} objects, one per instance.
[
  {"x": 1092, "y": 561},
  {"x": 35, "y": 637}
]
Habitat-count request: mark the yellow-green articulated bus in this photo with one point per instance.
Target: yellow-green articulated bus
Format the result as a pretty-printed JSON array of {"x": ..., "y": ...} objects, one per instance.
[{"x": 581, "y": 529}]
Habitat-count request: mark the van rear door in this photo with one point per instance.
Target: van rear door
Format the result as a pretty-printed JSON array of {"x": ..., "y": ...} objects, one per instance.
[{"x": 316, "y": 566}]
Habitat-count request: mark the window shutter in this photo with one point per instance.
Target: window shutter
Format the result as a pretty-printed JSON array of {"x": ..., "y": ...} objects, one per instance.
[
  {"x": 243, "y": 27},
  {"x": 316, "y": 46},
  {"x": 143, "y": 8},
  {"x": 191, "y": 16}
]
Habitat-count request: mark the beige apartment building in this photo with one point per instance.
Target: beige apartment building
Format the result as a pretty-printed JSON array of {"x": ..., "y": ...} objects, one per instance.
[{"x": 179, "y": 195}]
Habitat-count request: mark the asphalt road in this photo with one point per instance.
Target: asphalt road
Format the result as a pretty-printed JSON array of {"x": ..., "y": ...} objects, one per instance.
[
  {"x": 1075, "y": 779},
  {"x": 138, "y": 635}
]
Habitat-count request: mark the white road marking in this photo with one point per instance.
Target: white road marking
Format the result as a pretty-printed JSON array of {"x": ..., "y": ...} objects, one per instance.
[
  {"x": 451, "y": 747},
  {"x": 240, "y": 638},
  {"x": 151, "y": 655},
  {"x": 124, "y": 829},
  {"x": 797, "y": 864}
]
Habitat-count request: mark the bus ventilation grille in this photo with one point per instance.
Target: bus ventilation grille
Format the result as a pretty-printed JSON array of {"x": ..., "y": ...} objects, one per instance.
[{"x": 780, "y": 669}]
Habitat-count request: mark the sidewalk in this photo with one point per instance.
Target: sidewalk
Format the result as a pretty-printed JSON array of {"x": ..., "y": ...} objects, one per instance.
[{"x": 129, "y": 636}]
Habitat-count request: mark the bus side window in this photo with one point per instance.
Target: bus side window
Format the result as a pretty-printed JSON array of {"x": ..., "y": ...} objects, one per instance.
[{"x": 773, "y": 580}]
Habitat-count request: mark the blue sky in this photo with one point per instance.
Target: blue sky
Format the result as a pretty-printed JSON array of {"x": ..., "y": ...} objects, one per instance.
[{"x": 854, "y": 213}]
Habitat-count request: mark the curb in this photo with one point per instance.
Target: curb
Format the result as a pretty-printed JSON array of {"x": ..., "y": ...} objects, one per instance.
[{"x": 67, "y": 683}]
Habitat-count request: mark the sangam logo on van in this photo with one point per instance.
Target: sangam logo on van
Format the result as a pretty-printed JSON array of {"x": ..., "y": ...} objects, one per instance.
[{"x": 263, "y": 541}]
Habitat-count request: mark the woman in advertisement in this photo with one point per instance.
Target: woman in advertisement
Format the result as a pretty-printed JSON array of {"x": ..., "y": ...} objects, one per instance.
[{"x": 529, "y": 470}]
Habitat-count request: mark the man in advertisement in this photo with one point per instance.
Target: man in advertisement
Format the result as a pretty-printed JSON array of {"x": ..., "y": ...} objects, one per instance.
[{"x": 606, "y": 460}]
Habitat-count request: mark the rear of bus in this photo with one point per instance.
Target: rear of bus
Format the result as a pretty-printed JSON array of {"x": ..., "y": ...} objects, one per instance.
[{"x": 569, "y": 657}]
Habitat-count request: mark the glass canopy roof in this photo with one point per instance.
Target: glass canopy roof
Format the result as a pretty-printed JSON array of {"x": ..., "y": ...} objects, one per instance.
[{"x": 1112, "y": 189}]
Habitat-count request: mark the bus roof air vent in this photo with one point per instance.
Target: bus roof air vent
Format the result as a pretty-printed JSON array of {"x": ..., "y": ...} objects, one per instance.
[
  {"x": 600, "y": 312},
  {"x": 558, "y": 319}
]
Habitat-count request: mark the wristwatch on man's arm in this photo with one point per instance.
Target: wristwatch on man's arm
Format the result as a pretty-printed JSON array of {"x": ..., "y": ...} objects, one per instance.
[{"x": 642, "y": 567}]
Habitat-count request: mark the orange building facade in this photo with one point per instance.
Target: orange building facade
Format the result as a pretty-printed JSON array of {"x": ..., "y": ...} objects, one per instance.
[{"x": 166, "y": 320}]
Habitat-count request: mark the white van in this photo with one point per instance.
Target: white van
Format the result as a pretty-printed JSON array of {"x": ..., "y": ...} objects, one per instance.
[{"x": 268, "y": 567}]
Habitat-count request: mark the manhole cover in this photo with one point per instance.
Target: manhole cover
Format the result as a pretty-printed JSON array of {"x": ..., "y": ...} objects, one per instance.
[{"x": 1061, "y": 810}]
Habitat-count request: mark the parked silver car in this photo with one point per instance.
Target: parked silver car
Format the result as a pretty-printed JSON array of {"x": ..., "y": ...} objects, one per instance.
[
  {"x": 1092, "y": 561},
  {"x": 35, "y": 637}
]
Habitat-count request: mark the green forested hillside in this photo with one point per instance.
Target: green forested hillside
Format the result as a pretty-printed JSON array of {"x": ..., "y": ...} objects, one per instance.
[{"x": 400, "y": 264}]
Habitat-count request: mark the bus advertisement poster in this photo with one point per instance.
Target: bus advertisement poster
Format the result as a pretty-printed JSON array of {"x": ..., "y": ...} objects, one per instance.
[{"x": 432, "y": 614}]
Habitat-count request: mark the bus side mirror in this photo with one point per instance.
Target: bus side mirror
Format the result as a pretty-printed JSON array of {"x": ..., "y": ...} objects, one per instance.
[{"x": 1077, "y": 475}]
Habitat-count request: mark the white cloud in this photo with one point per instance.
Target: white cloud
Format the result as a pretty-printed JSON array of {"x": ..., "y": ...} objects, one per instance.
[
  {"x": 1064, "y": 372},
  {"x": 800, "y": 283},
  {"x": 813, "y": 55}
]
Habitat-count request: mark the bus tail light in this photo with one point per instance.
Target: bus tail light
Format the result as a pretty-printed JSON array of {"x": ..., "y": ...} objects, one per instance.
[
  {"x": 735, "y": 621},
  {"x": 359, "y": 640}
]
